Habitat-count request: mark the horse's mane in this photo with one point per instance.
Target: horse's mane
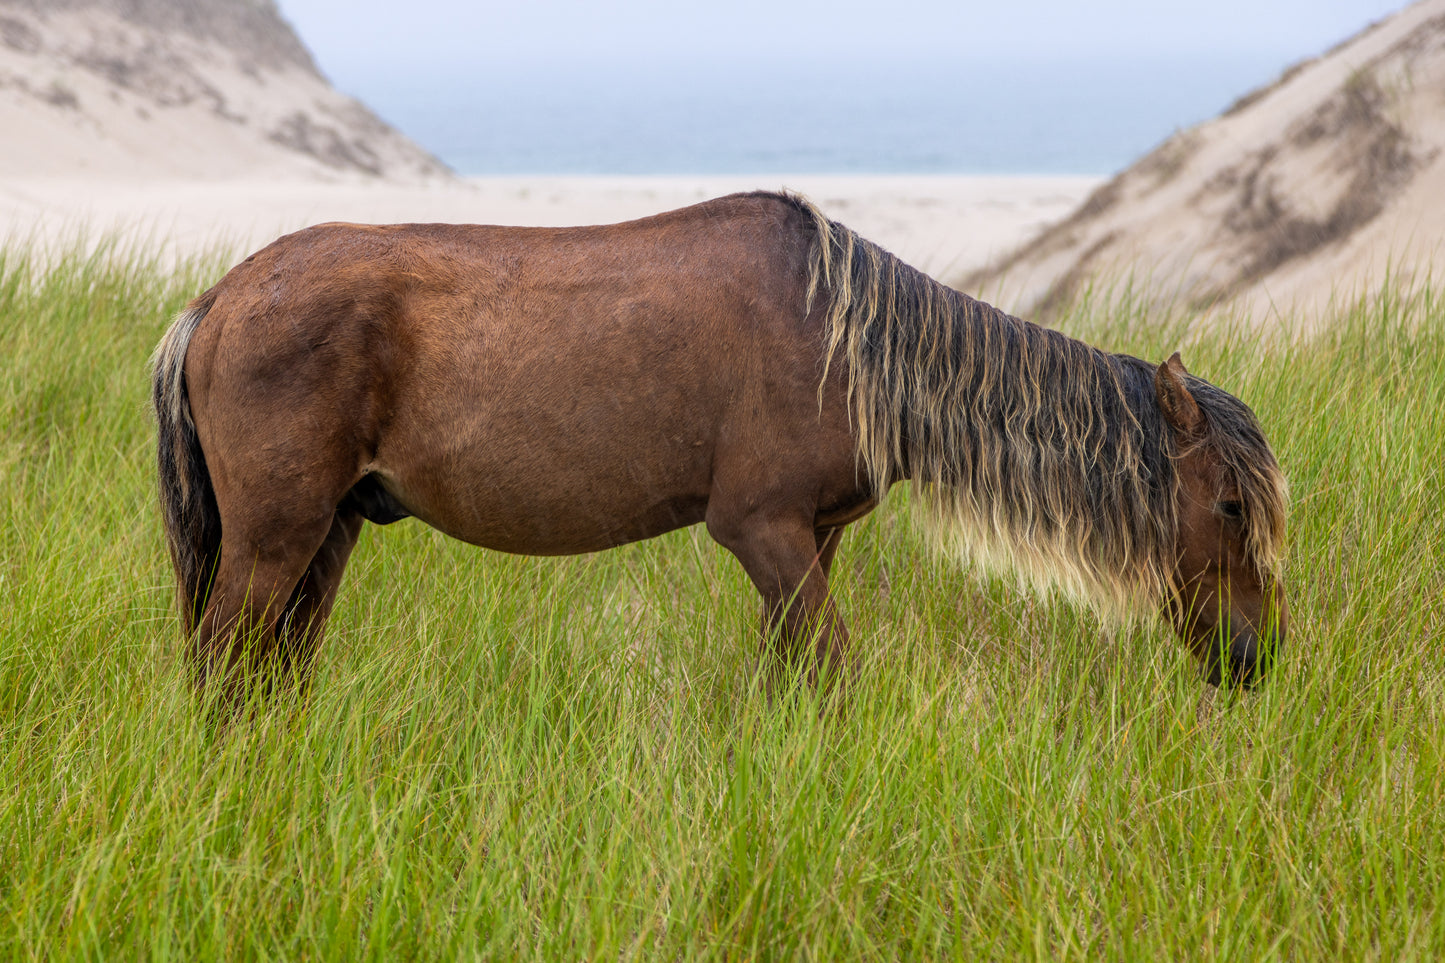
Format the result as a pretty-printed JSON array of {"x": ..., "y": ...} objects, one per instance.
[{"x": 1039, "y": 454}]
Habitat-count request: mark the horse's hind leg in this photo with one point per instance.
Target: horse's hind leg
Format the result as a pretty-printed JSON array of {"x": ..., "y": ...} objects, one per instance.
[
  {"x": 265, "y": 552},
  {"x": 303, "y": 620}
]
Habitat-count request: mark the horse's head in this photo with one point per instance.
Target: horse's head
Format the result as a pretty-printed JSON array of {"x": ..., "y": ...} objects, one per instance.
[{"x": 1226, "y": 601}]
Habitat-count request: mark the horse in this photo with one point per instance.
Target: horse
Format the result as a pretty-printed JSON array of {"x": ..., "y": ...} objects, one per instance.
[{"x": 746, "y": 363}]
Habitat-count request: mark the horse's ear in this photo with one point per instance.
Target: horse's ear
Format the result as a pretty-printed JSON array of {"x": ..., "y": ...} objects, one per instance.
[{"x": 1179, "y": 407}]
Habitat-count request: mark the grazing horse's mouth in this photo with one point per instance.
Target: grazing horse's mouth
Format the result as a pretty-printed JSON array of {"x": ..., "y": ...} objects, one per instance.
[
  {"x": 1243, "y": 659},
  {"x": 1239, "y": 665}
]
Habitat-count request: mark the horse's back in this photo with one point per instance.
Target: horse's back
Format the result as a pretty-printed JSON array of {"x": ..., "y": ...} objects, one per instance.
[{"x": 737, "y": 261}]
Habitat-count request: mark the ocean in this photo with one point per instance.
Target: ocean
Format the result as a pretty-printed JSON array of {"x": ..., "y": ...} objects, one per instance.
[{"x": 967, "y": 116}]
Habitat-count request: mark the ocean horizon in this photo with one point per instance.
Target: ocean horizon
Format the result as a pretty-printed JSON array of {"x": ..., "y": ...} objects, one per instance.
[{"x": 964, "y": 117}]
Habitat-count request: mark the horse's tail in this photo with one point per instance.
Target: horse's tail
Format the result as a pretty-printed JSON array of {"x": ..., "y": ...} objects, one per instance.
[{"x": 188, "y": 501}]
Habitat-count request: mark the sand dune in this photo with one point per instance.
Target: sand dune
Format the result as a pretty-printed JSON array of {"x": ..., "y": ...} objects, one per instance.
[
  {"x": 1309, "y": 189},
  {"x": 138, "y": 90}
]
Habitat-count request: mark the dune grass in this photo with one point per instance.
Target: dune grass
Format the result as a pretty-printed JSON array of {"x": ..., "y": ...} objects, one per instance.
[{"x": 514, "y": 758}]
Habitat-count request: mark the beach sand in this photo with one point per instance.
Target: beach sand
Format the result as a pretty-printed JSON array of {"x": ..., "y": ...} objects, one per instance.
[{"x": 946, "y": 225}]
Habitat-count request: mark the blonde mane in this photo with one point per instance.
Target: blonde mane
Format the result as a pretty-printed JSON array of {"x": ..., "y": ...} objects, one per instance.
[{"x": 1038, "y": 454}]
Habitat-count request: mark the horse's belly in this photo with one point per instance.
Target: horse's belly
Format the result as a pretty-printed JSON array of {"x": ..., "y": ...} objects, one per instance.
[
  {"x": 544, "y": 496},
  {"x": 540, "y": 528}
]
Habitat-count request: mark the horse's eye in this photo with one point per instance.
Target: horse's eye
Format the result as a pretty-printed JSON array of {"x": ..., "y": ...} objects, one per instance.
[{"x": 1233, "y": 511}]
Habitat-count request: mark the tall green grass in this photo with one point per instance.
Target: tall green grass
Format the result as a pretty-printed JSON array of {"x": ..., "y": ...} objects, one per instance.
[{"x": 564, "y": 758}]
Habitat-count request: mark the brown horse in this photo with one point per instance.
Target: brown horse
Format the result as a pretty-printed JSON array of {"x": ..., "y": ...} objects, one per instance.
[{"x": 745, "y": 362}]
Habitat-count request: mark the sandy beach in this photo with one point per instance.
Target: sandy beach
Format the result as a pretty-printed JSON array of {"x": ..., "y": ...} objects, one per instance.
[
  {"x": 239, "y": 139},
  {"x": 947, "y": 225},
  {"x": 224, "y": 133}
]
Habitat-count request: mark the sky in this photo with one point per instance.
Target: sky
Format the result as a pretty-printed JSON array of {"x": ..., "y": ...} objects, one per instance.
[
  {"x": 658, "y": 86},
  {"x": 448, "y": 37}
]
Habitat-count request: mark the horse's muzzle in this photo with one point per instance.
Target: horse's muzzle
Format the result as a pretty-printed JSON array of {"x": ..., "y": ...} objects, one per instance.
[
  {"x": 1240, "y": 659},
  {"x": 1245, "y": 660},
  {"x": 1241, "y": 664}
]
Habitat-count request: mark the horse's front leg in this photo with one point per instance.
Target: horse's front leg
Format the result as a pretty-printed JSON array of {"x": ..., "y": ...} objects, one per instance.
[{"x": 787, "y": 561}]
